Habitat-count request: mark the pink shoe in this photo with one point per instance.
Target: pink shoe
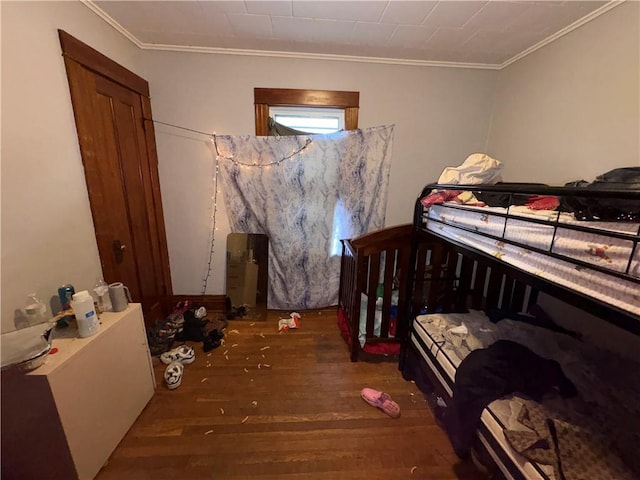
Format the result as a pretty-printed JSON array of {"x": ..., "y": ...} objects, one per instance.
[{"x": 381, "y": 400}]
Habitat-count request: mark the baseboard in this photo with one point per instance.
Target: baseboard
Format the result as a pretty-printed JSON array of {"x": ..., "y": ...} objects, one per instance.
[{"x": 213, "y": 303}]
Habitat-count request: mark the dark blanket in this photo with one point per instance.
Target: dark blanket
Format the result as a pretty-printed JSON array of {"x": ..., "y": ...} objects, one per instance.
[
  {"x": 502, "y": 199},
  {"x": 490, "y": 373}
]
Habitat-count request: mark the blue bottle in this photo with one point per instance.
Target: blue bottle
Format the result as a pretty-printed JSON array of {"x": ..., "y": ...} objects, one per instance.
[{"x": 65, "y": 292}]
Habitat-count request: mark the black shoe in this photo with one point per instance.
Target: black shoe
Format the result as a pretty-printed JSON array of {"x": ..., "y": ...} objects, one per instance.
[
  {"x": 216, "y": 334},
  {"x": 210, "y": 343}
]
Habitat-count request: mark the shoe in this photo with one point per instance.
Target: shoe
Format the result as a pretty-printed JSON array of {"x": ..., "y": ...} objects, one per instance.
[
  {"x": 381, "y": 401},
  {"x": 165, "y": 331},
  {"x": 159, "y": 341},
  {"x": 173, "y": 375},
  {"x": 194, "y": 329},
  {"x": 183, "y": 354},
  {"x": 213, "y": 340},
  {"x": 176, "y": 317},
  {"x": 180, "y": 308}
]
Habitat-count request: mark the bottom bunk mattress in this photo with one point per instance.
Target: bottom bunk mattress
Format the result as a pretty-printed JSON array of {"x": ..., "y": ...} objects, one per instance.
[{"x": 595, "y": 434}]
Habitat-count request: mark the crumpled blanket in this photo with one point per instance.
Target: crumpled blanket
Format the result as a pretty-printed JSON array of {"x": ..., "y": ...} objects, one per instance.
[
  {"x": 469, "y": 337},
  {"x": 477, "y": 169},
  {"x": 461, "y": 332},
  {"x": 573, "y": 443},
  {"x": 542, "y": 202},
  {"x": 438, "y": 197},
  {"x": 490, "y": 373}
]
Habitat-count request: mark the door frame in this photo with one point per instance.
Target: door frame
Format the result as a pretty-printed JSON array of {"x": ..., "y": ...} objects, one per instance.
[{"x": 73, "y": 50}]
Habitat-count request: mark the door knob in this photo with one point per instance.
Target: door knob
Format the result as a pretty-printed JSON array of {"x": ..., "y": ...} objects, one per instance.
[{"x": 118, "y": 250}]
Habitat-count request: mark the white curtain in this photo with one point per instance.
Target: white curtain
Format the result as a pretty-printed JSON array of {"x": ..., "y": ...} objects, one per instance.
[{"x": 306, "y": 193}]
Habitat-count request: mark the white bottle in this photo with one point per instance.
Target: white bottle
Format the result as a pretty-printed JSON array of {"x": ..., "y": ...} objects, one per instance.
[
  {"x": 83, "y": 309},
  {"x": 35, "y": 310}
]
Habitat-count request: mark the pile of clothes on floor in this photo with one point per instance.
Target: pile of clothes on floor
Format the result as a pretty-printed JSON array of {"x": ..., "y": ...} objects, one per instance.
[{"x": 186, "y": 322}]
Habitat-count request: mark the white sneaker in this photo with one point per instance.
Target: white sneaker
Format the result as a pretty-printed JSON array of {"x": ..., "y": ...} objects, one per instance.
[
  {"x": 173, "y": 375},
  {"x": 183, "y": 354}
]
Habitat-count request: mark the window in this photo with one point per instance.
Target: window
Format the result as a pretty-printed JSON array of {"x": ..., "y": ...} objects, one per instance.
[
  {"x": 309, "y": 119},
  {"x": 269, "y": 100},
  {"x": 312, "y": 111}
]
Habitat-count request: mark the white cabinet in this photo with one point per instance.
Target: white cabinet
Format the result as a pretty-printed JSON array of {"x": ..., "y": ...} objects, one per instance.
[{"x": 64, "y": 419}]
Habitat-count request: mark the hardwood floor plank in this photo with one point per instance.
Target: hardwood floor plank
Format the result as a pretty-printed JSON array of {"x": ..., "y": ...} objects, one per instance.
[{"x": 286, "y": 406}]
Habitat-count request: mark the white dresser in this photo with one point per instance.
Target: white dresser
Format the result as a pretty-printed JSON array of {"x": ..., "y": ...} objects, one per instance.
[{"x": 63, "y": 419}]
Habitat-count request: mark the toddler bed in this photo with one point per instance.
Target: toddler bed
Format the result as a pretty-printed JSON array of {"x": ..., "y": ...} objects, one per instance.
[{"x": 497, "y": 260}]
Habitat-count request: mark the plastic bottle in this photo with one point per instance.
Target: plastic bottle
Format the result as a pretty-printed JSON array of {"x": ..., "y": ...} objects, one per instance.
[
  {"x": 35, "y": 310},
  {"x": 101, "y": 290},
  {"x": 82, "y": 305}
]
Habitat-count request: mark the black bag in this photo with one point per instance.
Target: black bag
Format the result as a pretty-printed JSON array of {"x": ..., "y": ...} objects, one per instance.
[{"x": 593, "y": 208}]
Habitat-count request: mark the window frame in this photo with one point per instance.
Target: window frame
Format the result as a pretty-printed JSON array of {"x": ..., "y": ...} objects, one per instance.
[
  {"x": 263, "y": 98},
  {"x": 306, "y": 112}
]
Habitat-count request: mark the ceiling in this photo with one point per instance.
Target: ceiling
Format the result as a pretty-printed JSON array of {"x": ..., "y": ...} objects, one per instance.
[{"x": 483, "y": 34}]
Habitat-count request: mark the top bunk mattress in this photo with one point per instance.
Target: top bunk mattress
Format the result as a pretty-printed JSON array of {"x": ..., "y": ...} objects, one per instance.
[{"x": 598, "y": 259}]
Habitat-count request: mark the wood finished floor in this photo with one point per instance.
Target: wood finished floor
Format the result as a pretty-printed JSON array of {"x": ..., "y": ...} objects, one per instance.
[{"x": 284, "y": 407}]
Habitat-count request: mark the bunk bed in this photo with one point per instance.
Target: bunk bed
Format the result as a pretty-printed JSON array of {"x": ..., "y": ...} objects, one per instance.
[{"x": 481, "y": 259}]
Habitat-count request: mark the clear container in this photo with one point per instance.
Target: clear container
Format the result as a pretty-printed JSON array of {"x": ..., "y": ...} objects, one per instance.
[
  {"x": 35, "y": 310},
  {"x": 103, "y": 300}
]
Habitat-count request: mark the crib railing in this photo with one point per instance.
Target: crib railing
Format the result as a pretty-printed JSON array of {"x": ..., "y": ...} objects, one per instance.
[{"x": 375, "y": 265}]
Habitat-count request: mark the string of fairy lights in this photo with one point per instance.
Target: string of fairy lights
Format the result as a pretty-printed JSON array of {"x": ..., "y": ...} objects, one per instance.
[
  {"x": 255, "y": 163},
  {"x": 214, "y": 198}
]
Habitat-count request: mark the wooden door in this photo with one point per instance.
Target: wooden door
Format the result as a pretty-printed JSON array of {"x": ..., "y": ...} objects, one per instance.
[{"x": 117, "y": 142}]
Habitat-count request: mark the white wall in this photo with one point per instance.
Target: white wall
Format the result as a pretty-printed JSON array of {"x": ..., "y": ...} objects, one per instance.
[
  {"x": 571, "y": 110},
  {"x": 440, "y": 116},
  {"x": 47, "y": 230}
]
